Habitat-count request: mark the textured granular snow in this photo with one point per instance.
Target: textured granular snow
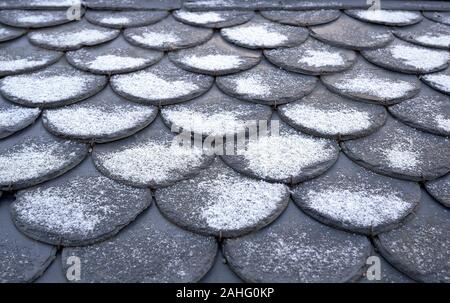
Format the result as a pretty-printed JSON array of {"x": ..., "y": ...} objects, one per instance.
[
  {"x": 32, "y": 17},
  {"x": 419, "y": 57},
  {"x": 115, "y": 62},
  {"x": 252, "y": 85},
  {"x": 441, "y": 81},
  {"x": 10, "y": 64},
  {"x": 386, "y": 15},
  {"x": 213, "y": 62},
  {"x": 320, "y": 58},
  {"x": 3, "y": 31},
  {"x": 256, "y": 35},
  {"x": 83, "y": 36},
  {"x": 93, "y": 120},
  {"x": 403, "y": 156},
  {"x": 147, "y": 85},
  {"x": 14, "y": 115},
  {"x": 200, "y": 17},
  {"x": 155, "y": 38},
  {"x": 115, "y": 20},
  {"x": 435, "y": 39},
  {"x": 342, "y": 121},
  {"x": 360, "y": 208},
  {"x": 441, "y": 121}
]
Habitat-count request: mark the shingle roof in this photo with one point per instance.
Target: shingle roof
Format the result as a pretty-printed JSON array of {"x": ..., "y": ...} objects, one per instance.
[{"x": 90, "y": 109}]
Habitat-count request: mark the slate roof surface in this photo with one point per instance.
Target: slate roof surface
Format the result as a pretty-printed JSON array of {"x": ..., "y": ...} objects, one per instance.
[{"x": 89, "y": 110}]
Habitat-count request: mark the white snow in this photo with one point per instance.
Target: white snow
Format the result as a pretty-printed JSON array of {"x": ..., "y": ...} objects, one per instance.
[
  {"x": 200, "y": 17},
  {"x": 14, "y": 115},
  {"x": 419, "y": 57},
  {"x": 73, "y": 38},
  {"x": 252, "y": 85},
  {"x": 20, "y": 64},
  {"x": 114, "y": 62},
  {"x": 402, "y": 155},
  {"x": 434, "y": 39},
  {"x": 115, "y": 20},
  {"x": 213, "y": 62},
  {"x": 320, "y": 58},
  {"x": 35, "y": 18},
  {"x": 442, "y": 122},
  {"x": 156, "y": 38},
  {"x": 255, "y": 35},
  {"x": 441, "y": 81},
  {"x": 387, "y": 16}
]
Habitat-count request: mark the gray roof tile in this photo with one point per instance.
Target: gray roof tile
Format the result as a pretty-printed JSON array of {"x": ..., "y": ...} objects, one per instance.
[
  {"x": 302, "y": 18},
  {"x": 439, "y": 81},
  {"x": 213, "y": 19},
  {"x": 34, "y": 18},
  {"x": 9, "y": 33},
  {"x": 426, "y": 33},
  {"x": 123, "y": 19},
  {"x": 442, "y": 17},
  {"x": 440, "y": 189},
  {"x": 386, "y": 17}
]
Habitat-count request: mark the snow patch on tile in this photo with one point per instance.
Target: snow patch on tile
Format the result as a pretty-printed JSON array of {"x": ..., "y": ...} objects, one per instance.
[
  {"x": 14, "y": 115},
  {"x": 386, "y": 16},
  {"x": 35, "y": 18},
  {"x": 110, "y": 62},
  {"x": 403, "y": 156},
  {"x": 256, "y": 35},
  {"x": 213, "y": 62},
  {"x": 441, "y": 81},
  {"x": 252, "y": 85},
  {"x": 155, "y": 38},
  {"x": 320, "y": 58},
  {"x": 419, "y": 57},
  {"x": 442, "y": 122},
  {"x": 115, "y": 20},
  {"x": 201, "y": 17},
  {"x": 72, "y": 39},
  {"x": 20, "y": 64},
  {"x": 434, "y": 39}
]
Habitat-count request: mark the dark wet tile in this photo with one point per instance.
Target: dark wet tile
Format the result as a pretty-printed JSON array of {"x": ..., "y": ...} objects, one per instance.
[
  {"x": 262, "y": 33},
  {"x": 34, "y": 18},
  {"x": 122, "y": 19},
  {"x": 72, "y": 36},
  {"x": 351, "y": 33},
  {"x": 267, "y": 84},
  {"x": 312, "y": 57},
  {"x": 426, "y": 33},
  {"x": 115, "y": 57},
  {"x": 440, "y": 189},
  {"x": 439, "y": 81},
  {"x": 221, "y": 202},
  {"x": 80, "y": 208},
  {"x": 21, "y": 258},
  {"x": 148, "y": 250},
  {"x": 134, "y": 4},
  {"x": 302, "y": 18},
  {"x": 216, "y": 57},
  {"x": 369, "y": 83},
  {"x": 213, "y": 19},
  {"x": 388, "y": 274},
  {"x": 57, "y": 85},
  {"x": 420, "y": 248},
  {"x": 167, "y": 35},
  {"x": 441, "y": 17},
  {"x": 34, "y": 156},
  {"x": 9, "y": 33},
  {"x": 387, "y": 17},
  {"x": 14, "y": 118},
  {"x": 405, "y": 57},
  {"x": 400, "y": 151},
  {"x": 328, "y": 115},
  {"x": 161, "y": 84},
  {"x": 102, "y": 118}
]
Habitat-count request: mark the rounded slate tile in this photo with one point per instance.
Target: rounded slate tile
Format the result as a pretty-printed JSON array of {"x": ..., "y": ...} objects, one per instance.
[
  {"x": 221, "y": 202},
  {"x": 148, "y": 250},
  {"x": 441, "y": 17},
  {"x": 312, "y": 57},
  {"x": 122, "y": 19},
  {"x": 34, "y": 156},
  {"x": 72, "y": 36},
  {"x": 369, "y": 83},
  {"x": 267, "y": 84},
  {"x": 440, "y": 189},
  {"x": 21, "y": 258},
  {"x": 80, "y": 208},
  {"x": 388, "y": 274},
  {"x": 262, "y": 33},
  {"x": 151, "y": 158},
  {"x": 296, "y": 248},
  {"x": 302, "y": 18},
  {"x": 132, "y": 4},
  {"x": 400, "y": 151},
  {"x": 115, "y": 57},
  {"x": 408, "y": 58},
  {"x": 39, "y": 4},
  {"x": 353, "y": 198},
  {"x": 213, "y": 19},
  {"x": 102, "y": 118},
  {"x": 167, "y": 35},
  {"x": 420, "y": 248},
  {"x": 56, "y": 85},
  {"x": 328, "y": 115},
  {"x": 34, "y": 18},
  {"x": 215, "y": 57},
  {"x": 386, "y": 17},
  {"x": 351, "y": 33},
  {"x": 289, "y": 157},
  {"x": 439, "y": 81},
  {"x": 14, "y": 118},
  {"x": 426, "y": 33},
  {"x": 161, "y": 84},
  {"x": 428, "y": 111},
  {"x": 19, "y": 56},
  {"x": 9, "y": 33},
  {"x": 214, "y": 114}
]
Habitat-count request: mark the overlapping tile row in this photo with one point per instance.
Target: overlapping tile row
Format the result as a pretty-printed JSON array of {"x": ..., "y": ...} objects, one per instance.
[{"x": 90, "y": 108}]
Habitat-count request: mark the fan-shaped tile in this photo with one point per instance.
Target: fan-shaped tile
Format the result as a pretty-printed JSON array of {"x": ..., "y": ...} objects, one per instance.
[
  {"x": 34, "y": 156},
  {"x": 72, "y": 36},
  {"x": 38, "y": 4},
  {"x": 328, "y": 115},
  {"x": 408, "y": 58},
  {"x": 56, "y": 85},
  {"x": 267, "y": 84},
  {"x": 80, "y": 208},
  {"x": 133, "y": 4},
  {"x": 102, "y": 118},
  {"x": 150, "y": 158},
  {"x": 302, "y": 18},
  {"x": 215, "y": 57},
  {"x": 386, "y": 17},
  {"x": 441, "y": 17},
  {"x": 426, "y": 33},
  {"x": 214, "y": 114},
  {"x": 122, "y": 19},
  {"x": 420, "y": 248},
  {"x": 221, "y": 202},
  {"x": 161, "y": 84},
  {"x": 369, "y": 83},
  {"x": 14, "y": 118},
  {"x": 353, "y": 198},
  {"x": 213, "y": 19},
  {"x": 34, "y": 18},
  {"x": 9, "y": 33},
  {"x": 312, "y": 57},
  {"x": 296, "y": 248},
  {"x": 21, "y": 258},
  {"x": 439, "y": 81},
  {"x": 351, "y": 33},
  {"x": 289, "y": 157},
  {"x": 167, "y": 35},
  {"x": 402, "y": 152},
  {"x": 428, "y": 111},
  {"x": 262, "y": 33},
  {"x": 117, "y": 56},
  {"x": 440, "y": 189}
]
